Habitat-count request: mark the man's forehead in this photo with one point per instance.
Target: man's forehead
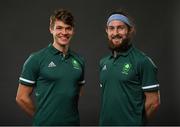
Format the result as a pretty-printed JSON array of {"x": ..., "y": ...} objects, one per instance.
[{"x": 61, "y": 23}]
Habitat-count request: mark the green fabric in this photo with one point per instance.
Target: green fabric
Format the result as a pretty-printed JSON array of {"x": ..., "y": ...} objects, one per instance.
[
  {"x": 123, "y": 81},
  {"x": 56, "y": 80}
]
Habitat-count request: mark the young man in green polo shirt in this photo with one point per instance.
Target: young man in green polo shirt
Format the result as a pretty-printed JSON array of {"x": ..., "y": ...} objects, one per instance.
[
  {"x": 56, "y": 74},
  {"x": 128, "y": 78}
]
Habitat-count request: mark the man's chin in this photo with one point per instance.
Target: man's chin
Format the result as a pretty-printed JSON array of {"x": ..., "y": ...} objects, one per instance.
[
  {"x": 114, "y": 47},
  {"x": 116, "y": 42},
  {"x": 64, "y": 42},
  {"x": 117, "y": 46}
]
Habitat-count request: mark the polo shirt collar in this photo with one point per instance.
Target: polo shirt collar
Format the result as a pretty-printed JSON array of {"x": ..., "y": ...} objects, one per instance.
[{"x": 55, "y": 51}]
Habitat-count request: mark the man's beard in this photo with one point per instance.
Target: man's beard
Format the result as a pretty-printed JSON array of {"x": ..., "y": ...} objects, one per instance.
[{"x": 122, "y": 46}]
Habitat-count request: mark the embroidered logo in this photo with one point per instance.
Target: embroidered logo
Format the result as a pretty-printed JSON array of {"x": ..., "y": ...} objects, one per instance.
[
  {"x": 37, "y": 94},
  {"x": 75, "y": 64},
  {"x": 52, "y": 64},
  {"x": 126, "y": 68},
  {"x": 104, "y": 68}
]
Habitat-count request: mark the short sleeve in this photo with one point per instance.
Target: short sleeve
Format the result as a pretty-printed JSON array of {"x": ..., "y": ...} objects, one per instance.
[
  {"x": 148, "y": 75},
  {"x": 100, "y": 64},
  {"x": 30, "y": 71}
]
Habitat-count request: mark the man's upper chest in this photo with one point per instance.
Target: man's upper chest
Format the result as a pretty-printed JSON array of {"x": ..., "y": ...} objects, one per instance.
[
  {"x": 56, "y": 67},
  {"x": 121, "y": 68}
]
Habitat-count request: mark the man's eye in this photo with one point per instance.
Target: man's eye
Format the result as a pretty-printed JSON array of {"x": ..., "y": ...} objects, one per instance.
[
  {"x": 111, "y": 28},
  {"x": 59, "y": 28},
  {"x": 121, "y": 27},
  {"x": 68, "y": 28}
]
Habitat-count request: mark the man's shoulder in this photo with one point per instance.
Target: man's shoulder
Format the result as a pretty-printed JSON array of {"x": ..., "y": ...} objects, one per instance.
[
  {"x": 139, "y": 54},
  {"x": 37, "y": 55},
  {"x": 104, "y": 59},
  {"x": 142, "y": 57}
]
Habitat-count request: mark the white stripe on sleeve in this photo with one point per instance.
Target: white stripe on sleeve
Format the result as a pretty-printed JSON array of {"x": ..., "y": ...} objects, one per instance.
[
  {"x": 149, "y": 87},
  {"x": 82, "y": 82},
  {"x": 26, "y": 80}
]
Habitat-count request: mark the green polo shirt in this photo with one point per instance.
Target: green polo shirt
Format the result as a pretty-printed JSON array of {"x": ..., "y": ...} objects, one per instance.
[
  {"x": 124, "y": 78},
  {"x": 56, "y": 80}
]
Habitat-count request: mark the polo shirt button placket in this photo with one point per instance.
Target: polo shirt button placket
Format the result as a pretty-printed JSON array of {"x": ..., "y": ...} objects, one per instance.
[{"x": 63, "y": 57}]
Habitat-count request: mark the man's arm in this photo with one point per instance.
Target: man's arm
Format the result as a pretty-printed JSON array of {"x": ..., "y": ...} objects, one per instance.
[
  {"x": 152, "y": 103},
  {"x": 81, "y": 92},
  {"x": 24, "y": 100}
]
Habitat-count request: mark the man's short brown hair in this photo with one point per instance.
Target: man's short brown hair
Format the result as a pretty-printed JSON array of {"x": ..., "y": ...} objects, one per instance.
[{"x": 62, "y": 15}]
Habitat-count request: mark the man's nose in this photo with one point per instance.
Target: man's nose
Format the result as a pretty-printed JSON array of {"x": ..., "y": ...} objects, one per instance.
[
  {"x": 64, "y": 31},
  {"x": 115, "y": 31}
]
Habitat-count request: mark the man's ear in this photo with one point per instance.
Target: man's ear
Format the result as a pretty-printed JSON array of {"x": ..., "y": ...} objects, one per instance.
[
  {"x": 50, "y": 29},
  {"x": 73, "y": 30},
  {"x": 132, "y": 31},
  {"x": 106, "y": 30}
]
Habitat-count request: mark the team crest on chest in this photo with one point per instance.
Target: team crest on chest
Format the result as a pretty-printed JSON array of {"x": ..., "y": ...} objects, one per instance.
[
  {"x": 75, "y": 64},
  {"x": 126, "y": 68}
]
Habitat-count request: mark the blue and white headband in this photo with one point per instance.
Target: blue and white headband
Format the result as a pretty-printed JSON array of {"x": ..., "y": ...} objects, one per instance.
[{"x": 119, "y": 17}]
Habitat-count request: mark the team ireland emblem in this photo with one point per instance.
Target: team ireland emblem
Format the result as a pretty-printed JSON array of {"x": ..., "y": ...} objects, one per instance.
[
  {"x": 75, "y": 64},
  {"x": 126, "y": 68}
]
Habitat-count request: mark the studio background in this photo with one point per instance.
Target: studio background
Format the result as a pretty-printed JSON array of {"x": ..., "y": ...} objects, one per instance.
[{"x": 24, "y": 27}]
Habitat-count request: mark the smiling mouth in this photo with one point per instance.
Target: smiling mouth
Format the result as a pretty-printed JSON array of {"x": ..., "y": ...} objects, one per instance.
[
  {"x": 117, "y": 39},
  {"x": 64, "y": 37}
]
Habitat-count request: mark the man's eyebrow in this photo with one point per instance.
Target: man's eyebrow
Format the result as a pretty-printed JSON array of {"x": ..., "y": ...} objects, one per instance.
[
  {"x": 110, "y": 26},
  {"x": 64, "y": 26},
  {"x": 60, "y": 26}
]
